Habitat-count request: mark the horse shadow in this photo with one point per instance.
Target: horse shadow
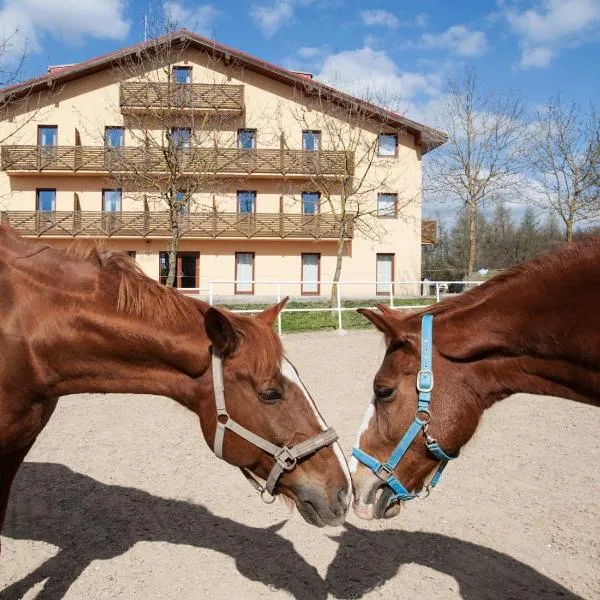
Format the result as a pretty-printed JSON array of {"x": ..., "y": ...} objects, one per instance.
[
  {"x": 89, "y": 520},
  {"x": 367, "y": 559}
]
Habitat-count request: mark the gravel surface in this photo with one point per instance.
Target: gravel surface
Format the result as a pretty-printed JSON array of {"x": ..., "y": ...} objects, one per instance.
[{"x": 121, "y": 498}]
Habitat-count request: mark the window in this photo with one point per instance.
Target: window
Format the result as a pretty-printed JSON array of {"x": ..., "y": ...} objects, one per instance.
[
  {"x": 310, "y": 203},
  {"x": 114, "y": 137},
  {"x": 386, "y": 205},
  {"x": 247, "y": 139},
  {"x": 182, "y": 74},
  {"x": 311, "y": 140},
  {"x": 385, "y": 273},
  {"x": 111, "y": 200},
  {"x": 47, "y": 135},
  {"x": 387, "y": 144},
  {"x": 182, "y": 203},
  {"x": 246, "y": 202},
  {"x": 186, "y": 271},
  {"x": 311, "y": 267},
  {"x": 181, "y": 136},
  {"x": 45, "y": 200},
  {"x": 244, "y": 272}
]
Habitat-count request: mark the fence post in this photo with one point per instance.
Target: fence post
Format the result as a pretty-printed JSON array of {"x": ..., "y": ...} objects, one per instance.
[
  {"x": 392, "y": 294},
  {"x": 437, "y": 291},
  {"x": 339, "y": 307},
  {"x": 210, "y": 293},
  {"x": 279, "y": 328}
]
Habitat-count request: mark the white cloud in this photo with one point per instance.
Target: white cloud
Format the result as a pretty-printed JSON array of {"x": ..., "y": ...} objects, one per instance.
[
  {"x": 68, "y": 20},
  {"x": 379, "y": 17},
  {"x": 553, "y": 24},
  {"x": 537, "y": 57},
  {"x": 385, "y": 18},
  {"x": 373, "y": 74},
  {"x": 270, "y": 18},
  {"x": 422, "y": 20},
  {"x": 200, "y": 18},
  {"x": 458, "y": 39},
  {"x": 310, "y": 52}
]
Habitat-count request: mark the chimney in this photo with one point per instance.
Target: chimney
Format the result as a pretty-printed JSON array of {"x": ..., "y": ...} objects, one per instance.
[
  {"x": 303, "y": 74},
  {"x": 53, "y": 69}
]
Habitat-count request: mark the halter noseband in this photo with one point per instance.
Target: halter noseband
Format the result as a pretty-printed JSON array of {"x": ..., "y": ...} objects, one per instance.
[
  {"x": 286, "y": 458},
  {"x": 385, "y": 471}
]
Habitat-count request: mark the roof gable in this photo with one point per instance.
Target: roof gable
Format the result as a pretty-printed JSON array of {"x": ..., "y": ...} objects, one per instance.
[{"x": 428, "y": 137}]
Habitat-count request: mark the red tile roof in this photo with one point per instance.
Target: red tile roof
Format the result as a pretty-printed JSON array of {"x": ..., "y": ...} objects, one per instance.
[{"x": 428, "y": 138}]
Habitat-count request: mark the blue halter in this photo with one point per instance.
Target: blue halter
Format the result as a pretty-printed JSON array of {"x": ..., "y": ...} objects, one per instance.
[{"x": 385, "y": 471}]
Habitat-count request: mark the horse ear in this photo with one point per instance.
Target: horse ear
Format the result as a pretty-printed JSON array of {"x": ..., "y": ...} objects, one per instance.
[
  {"x": 270, "y": 314},
  {"x": 220, "y": 331},
  {"x": 381, "y": 320}
]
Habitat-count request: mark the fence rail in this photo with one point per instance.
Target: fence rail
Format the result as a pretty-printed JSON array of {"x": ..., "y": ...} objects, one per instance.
[
  {"x": 213, "y": 225},
  {"x": 392, "y": 297},
  {"x": 186, "y": 160}
]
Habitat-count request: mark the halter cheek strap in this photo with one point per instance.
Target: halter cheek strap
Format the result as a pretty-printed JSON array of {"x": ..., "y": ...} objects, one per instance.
[
  {"x": 286, "y": 458},
  {"x": 385, "y": 470}
]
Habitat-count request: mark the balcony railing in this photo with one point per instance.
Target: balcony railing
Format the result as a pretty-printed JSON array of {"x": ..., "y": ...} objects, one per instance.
[
  {"x": 160, "y": 97},
  {"x": 192, "y": 160},
  {"x": 146, "y": 224},
  {"x": 428, "y": 232}
]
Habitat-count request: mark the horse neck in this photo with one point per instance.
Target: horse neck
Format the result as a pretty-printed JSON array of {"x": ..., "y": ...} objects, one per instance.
[
  {"x": 532, "y": 339},
  {"x": 97, "y": 349}
]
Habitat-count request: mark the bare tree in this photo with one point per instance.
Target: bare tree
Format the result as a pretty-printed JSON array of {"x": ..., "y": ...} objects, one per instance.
[
  {"x": 347, "y": 170},
  {"x": 178, "y": 133},
  {"x": 563, "y": 160},
  {"x": 18, "y": 105},
  {"x": 482, "y": 156}
]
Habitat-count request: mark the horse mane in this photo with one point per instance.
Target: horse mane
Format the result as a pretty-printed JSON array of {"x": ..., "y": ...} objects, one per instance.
[
  {"x": 137, "y": 294},
  {"x": 552, "y": 266}
]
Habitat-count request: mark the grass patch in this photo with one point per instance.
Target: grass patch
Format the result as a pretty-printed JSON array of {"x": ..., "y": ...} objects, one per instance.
[{"x": 328, "y": 319}]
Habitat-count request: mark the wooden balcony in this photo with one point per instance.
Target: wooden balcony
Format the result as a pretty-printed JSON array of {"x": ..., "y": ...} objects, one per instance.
[
  {"x": 428, "y": 232},
  {"x": 150, "y": 224},
  {"x": 186, "y": 97},
  {"x": 100, "y": 160}
]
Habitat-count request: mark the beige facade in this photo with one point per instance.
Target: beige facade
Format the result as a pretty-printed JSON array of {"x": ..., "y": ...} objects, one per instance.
[{"x": 81, "y": 101}]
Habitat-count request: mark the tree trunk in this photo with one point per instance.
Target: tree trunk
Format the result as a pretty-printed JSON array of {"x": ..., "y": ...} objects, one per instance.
[
  {"x": 173, "y": 247},
  {"x": 472, "y": 239},
  {"x": 569, "y": 228},
  {"x": 338, "y": 265}
]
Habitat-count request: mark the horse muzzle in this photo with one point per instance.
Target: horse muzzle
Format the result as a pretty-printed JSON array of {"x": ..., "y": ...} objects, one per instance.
[{"x": 317, "y": 509}]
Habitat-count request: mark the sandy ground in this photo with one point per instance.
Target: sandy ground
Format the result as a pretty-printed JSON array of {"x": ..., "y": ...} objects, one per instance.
[{"x": 121, "y": 498}]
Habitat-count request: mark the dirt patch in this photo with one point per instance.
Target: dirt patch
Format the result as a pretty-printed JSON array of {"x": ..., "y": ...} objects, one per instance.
[{"x": 121, "y": 498}]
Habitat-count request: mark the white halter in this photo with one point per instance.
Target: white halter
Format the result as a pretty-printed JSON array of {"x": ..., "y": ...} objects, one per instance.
[{"x": 286, "y": 458}]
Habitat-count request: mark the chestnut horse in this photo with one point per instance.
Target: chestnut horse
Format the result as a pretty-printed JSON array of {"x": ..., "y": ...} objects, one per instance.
[
  {"x": 534, "y": 328},
  {"x": 83, "y": 320}
]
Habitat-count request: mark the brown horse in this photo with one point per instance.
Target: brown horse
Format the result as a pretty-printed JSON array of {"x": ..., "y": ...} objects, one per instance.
[
  {"x": 534, "y": 328},
  {"x": 83, "y": 320}
]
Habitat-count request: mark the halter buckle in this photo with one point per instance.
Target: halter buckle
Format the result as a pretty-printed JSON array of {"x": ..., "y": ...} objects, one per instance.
[
  {"x": 284, "y": 458},
  {"x": 425, "y": 380},
  {"x": 384, "y": 472}
]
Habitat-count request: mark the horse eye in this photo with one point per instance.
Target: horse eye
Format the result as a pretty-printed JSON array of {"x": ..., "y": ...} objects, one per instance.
[
  {"x": 270, "y": 396},
  {"x": 385, "y": 394}
]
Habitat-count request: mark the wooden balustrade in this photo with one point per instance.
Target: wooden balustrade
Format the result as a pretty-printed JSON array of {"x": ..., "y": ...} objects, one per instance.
[
  {"x": 218, "y": 161},
  {"x": 171, "y": 96},
  {"x": 145, "y": 224}
]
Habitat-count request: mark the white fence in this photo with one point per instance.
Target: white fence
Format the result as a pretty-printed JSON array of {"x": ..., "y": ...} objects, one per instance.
[{"x": 397, "y": 296}]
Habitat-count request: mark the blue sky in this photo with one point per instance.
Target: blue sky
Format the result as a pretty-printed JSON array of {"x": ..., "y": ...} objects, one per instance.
[{"x": 408, "y": 49}]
